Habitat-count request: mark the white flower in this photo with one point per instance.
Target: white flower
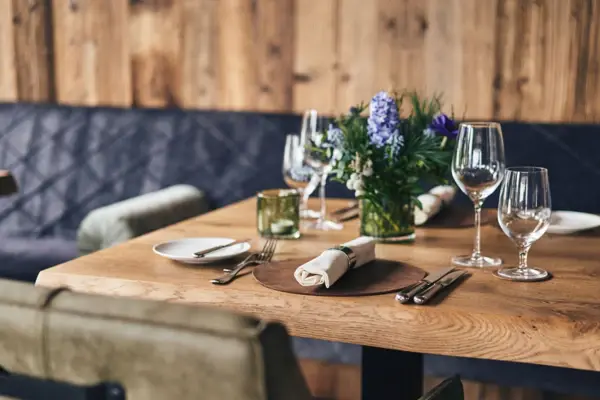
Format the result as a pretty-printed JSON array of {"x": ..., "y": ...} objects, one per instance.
[
  {"x": 359, "y": 193},
  {"x": 350, "y": 184},
  {"x": 358, "y": 185},
  {"x": 337, "y": 154}
]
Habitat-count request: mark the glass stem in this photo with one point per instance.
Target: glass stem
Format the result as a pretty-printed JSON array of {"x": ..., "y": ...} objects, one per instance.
[
  {"x": 322, "y": 196},
  {"x": 477, "y": 245},
  {"x": 523, "y": 251}
]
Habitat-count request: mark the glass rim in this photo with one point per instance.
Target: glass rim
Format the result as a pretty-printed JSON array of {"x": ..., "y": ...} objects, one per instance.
[
  {"x": 277, "y": 193},
  {"x": 480, "y": 124},
  {"x": 527, "y": 169}
]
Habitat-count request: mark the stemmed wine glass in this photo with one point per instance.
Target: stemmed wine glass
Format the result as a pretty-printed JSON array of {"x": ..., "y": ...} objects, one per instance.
[
  {"x": 524, "y": 211},
  {"x": 318, "y": 155},
  {"x": 298, "y": 175},
  {"x": 478, "y": 168}
]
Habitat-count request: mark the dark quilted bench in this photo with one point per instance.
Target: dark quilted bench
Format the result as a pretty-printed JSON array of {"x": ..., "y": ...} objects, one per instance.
[{"x": 70, "y": 161}]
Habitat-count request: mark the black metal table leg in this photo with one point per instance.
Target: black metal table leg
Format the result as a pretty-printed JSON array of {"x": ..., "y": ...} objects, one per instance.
[{"x": 391, "y": 374}]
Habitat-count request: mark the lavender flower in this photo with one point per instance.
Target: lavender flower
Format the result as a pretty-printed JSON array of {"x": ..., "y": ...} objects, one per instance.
[
  {"x": 383, "y": 120},
  {"x": 335, "y": 136},
  {"x": 444, "y": 125}
]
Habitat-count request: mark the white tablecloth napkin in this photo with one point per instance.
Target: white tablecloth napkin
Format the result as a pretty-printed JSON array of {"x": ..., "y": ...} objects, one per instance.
[
  {"x": 433, "y": 202},
  {"x": 332, "y": 264}
]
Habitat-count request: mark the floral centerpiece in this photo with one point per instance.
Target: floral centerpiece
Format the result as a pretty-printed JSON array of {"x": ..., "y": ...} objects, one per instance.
[{"x": 385, "y": 159}]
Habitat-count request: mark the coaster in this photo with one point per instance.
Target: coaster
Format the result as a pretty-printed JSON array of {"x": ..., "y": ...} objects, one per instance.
[{"x": 376, "y": 277}]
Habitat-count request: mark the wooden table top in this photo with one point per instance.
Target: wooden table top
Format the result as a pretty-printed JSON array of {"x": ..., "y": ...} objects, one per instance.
[{"x": 556, "y": 322}]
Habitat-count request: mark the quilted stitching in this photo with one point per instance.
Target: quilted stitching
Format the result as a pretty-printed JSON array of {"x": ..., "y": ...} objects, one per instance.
[{"x": 69, "y": 161}]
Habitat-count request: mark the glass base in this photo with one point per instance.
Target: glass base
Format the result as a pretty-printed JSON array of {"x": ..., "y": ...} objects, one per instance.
[
  {"x": 323, "y": 225},
  {"x": 309, "y": 214},
  {"x": 410, "y": 238},
  {"x": 529, "y": 274},
  {"x": 479, "y": 262}
]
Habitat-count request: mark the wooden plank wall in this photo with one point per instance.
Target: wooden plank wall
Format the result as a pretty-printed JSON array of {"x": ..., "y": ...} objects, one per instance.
[{"x": 535, "y": 60}]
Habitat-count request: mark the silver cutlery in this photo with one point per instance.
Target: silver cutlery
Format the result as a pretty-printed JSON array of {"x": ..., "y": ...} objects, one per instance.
[
  {"x": 426, "y": 295},
  {"x": 406, "y": 294},
  {"x": 264, "y": 256},
  {"x": 204, "y": 252}
]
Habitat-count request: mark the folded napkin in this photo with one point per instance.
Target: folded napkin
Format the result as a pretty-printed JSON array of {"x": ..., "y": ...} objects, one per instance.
[
  {"x": 332, "y": 264},
  {"x": 433, "y": 202}
]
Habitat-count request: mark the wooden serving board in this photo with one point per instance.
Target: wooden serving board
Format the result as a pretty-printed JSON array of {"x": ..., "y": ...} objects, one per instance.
[{"x": 377, "y": 277}]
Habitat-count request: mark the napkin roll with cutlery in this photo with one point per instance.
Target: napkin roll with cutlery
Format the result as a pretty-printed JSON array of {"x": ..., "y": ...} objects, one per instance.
[
  {"x": 433, "y": 201},
  {"x": 332, "y": 264}
]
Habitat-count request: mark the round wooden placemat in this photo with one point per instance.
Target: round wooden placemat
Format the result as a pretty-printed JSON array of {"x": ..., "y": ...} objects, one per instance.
[{"x": 377, "y": 277}]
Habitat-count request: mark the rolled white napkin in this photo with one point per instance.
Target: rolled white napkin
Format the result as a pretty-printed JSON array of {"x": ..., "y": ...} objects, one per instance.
[
  {"x": 332, "y": 264},
  {"x": 433, "y": 202}
]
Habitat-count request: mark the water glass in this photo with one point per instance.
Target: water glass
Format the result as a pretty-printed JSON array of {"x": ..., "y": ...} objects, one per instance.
[
  {"x": 317, "y": 154},
  {"x": 478, "y": 168},
  {"x": 298, "y": 175},
  {"x": 524, "y": 212},
  {"x": 278, "y": 213}
]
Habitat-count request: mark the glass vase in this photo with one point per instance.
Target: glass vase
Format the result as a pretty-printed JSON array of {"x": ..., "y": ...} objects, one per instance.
[{"x": 388, "y": 221}]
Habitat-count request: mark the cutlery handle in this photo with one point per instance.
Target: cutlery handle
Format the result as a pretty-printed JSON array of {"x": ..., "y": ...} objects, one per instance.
[
  {"x": 406, "y": 294},
  {"x": 202, "y": 253},
  {"x": 428, "y": 293}
]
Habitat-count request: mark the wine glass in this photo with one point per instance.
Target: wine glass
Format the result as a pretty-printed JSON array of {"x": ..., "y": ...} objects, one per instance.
[
  {"x": 298, "y": 175},
  {"x": 524, "y": 211},
  {"x": 478, "y": 168},
  {"x": 317, "y": 155}
]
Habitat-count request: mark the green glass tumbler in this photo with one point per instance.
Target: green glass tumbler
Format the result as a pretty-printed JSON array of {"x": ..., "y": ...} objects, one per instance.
[{"x": 278, "y": 213}]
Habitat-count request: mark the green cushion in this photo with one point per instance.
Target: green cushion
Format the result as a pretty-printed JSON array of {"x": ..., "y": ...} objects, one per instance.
[{"x": 119, "y": 222}]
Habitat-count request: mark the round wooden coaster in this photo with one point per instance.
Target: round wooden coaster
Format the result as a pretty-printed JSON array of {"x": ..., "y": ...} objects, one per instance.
[{"x": 377, "y": 277}]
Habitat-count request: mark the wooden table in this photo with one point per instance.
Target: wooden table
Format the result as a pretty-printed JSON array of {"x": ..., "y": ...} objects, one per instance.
[{"x": 553, "y": 323}]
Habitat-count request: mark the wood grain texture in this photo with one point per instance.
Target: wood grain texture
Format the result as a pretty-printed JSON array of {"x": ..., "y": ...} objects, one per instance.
[
  {"x": 91, "y": 61},
  {"x": 33, "y": 48},
  {"x": 315, "y": 55},
  {"x": 275, "y": 41},
  {"x": 551, "y": 323},
  {"x": 529, "y": 60},
  {"x": 238, "y": 71},
  {"x": 357, "y": 52},
  {"x": 154, "y": 33},
  {"x": 198, "y": 56},
  {"x": 8, "y": 66}
]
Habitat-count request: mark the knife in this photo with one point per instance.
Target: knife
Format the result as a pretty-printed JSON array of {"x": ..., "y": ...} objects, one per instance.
[
  {"x": 407, "y": 293},
  {"x": 446, "y": 281},
  {"x": 204, "y": 252}
]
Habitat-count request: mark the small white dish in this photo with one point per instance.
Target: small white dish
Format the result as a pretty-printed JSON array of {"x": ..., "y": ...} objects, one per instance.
[
  {"x": 567, "y": 222},
  {"x": 183, "y": 250}
]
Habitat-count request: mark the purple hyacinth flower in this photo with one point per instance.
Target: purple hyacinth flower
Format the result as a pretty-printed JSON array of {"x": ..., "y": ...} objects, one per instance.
[
  {"x": 383, "y": 121},
  {"x": 444, "y": 125},
  {"x": 335, "y": 136}
]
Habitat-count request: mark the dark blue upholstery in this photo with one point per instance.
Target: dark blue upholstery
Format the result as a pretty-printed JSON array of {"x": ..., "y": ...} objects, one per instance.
[{"x": 69, "y": 161}]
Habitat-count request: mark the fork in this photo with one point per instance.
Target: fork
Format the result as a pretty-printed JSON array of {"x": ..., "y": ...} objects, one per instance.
[{"x": 265, "y": 255}]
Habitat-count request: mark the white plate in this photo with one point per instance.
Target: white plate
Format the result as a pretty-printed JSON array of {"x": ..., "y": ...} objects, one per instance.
[
  {"x": 566, "y": 222},
  {"x": 183, "y": 250}
]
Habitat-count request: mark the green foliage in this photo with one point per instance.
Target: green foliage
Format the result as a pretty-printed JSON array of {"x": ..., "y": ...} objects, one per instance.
[{"x": 422, "y": 158}]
